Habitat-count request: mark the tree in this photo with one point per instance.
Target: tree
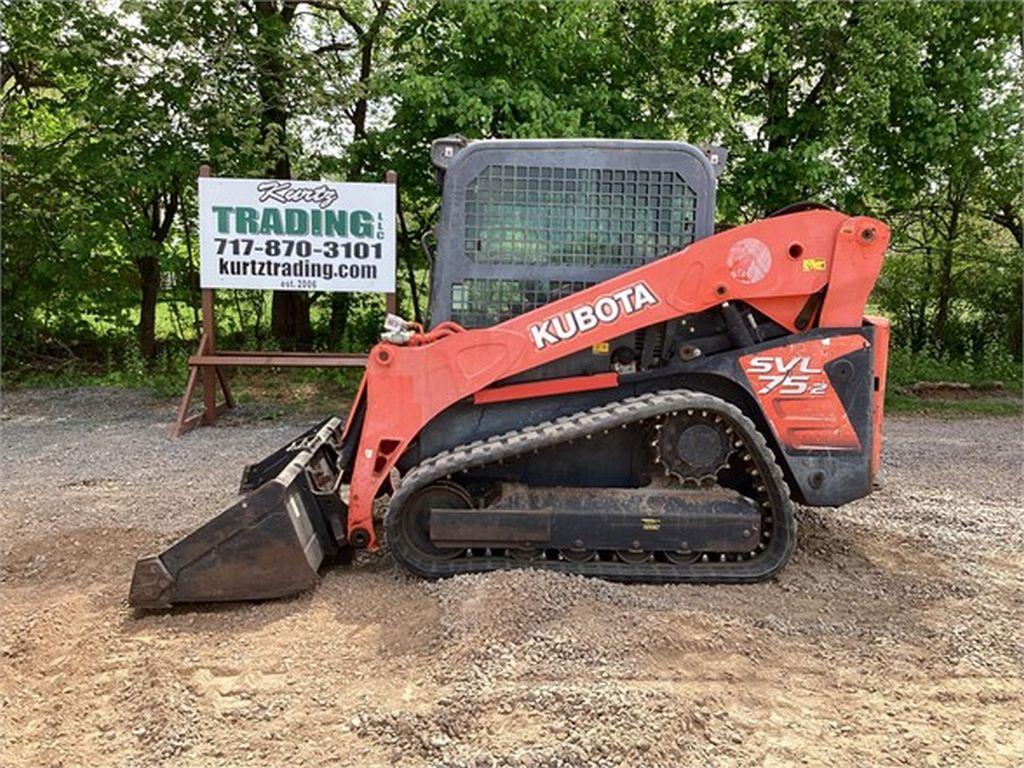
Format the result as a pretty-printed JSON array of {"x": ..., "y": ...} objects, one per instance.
[
  {"x": 944, "y": 159},
  {"x": 352, "y": 43},
  {"x": 113, "y": 138},
  {"x": 274, "y": 76},
  {"x": 908, "y": 111}
]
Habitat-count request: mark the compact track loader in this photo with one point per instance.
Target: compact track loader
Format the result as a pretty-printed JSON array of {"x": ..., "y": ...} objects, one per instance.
[{"x": 583, "y": 403}]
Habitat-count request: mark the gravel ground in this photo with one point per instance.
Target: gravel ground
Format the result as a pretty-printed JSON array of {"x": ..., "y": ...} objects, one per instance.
[{"x": 894, "y": 636}]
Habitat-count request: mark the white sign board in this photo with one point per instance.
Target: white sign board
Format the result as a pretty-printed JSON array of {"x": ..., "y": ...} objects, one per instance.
[{"x": 296, "y": 235}]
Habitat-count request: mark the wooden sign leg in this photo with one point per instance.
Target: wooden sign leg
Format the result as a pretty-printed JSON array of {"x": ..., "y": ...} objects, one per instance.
[
  {"x": 229, "y": 401},
  {"x": 209, "y": 394},
  {"x": 212, "y": 377},
  {"x": 181, "y": 423}
]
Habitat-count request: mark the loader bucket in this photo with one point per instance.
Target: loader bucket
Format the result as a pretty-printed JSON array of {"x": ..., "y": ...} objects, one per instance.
[{"x": 270, "y": 543}]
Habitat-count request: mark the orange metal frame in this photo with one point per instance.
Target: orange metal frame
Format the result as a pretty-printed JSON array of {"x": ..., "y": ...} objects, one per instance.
[{"x": 774, "y": 265}]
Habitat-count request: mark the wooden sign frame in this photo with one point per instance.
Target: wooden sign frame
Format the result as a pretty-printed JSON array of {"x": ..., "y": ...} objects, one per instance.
[{"x": 209, "y": 362}]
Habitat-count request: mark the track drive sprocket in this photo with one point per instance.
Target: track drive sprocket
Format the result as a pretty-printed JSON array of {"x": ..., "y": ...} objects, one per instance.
[{"x": 693, "y": 446}]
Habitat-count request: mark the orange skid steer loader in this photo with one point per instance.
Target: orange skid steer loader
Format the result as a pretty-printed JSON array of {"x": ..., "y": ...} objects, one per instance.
[{"x": 584, "y": 403}]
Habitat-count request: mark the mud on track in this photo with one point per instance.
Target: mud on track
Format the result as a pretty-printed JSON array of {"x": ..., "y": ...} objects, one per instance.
[{"x": 894, "y": 637}]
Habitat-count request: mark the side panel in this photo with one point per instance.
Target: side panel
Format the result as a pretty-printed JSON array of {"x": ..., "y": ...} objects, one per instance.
[
  {"x": 881, "y": 361},
  {"x": 825, "y": 440},
  {"x": 796, "y": 396}
]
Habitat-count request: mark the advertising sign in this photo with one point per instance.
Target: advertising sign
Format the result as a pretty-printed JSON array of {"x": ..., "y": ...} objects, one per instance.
[{"x": 297, "y": 235}]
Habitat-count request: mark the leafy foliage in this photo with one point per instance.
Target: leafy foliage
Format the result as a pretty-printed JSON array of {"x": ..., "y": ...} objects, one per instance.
[{"x": 908, "y": 111}]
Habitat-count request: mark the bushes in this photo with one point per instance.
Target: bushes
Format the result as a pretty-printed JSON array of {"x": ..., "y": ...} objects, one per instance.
[{"x": 998, "y": 366}]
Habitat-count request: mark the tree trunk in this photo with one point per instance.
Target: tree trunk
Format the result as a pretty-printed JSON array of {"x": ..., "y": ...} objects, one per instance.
[
  {"x": 946, "y": 258},
  {"x": 919, "y": 332},
  {"x": 289, "y": 320},
  {"x": 160, "y": 211},
  {"x": 340, "y": 305},
  {"x": 1015, "y": 333},
  {"x": 945, "y": 296},
  {"x": 149, "y": 277},
  {"x": 289, "y": 312}
]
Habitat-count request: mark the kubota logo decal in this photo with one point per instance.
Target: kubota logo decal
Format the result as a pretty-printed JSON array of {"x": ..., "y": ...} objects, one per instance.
[
  {"x": 586, "y": 317},
  {"x": 786, "y": 377},
  {"x": 749, "y": 261}
]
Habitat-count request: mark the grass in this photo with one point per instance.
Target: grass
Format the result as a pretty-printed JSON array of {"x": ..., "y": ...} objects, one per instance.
[
  {"x": 907, "y": 368},
  {"x": 276, "y": 391},
  {"x": 995, "y": 382},
  {"x": 996, "y": 386},
  {"x": 896, "y": 403},
  {"x": 159, "y": 382},
  {"x": 297, "y": 390}
]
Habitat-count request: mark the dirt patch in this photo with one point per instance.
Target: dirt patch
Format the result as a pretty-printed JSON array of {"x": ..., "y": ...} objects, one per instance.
[{"x": 892, "y": 638}]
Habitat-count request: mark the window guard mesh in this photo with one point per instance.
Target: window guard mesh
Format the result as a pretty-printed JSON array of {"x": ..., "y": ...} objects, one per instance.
[
  {"x": 583, "y": 218},
  {"x": 576, "y": 217},
  {"x": 478, "y": 302}
]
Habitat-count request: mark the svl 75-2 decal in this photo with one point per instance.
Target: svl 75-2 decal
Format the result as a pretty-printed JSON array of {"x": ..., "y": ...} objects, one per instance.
[
  {"x": 798, "y": 399},
  {"x": 793, "y": 376}
]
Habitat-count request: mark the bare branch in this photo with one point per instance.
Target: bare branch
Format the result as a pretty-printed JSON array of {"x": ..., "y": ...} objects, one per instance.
[
  {"x": 341, "y": 11},
  {"x": 332, "y": 47}
]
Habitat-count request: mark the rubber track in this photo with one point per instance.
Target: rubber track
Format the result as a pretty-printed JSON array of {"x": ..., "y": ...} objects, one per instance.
[{"x": 616, "y": 415}]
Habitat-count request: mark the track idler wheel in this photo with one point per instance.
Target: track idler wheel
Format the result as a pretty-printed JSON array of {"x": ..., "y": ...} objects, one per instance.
[{"x": 414, "y": 525}]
